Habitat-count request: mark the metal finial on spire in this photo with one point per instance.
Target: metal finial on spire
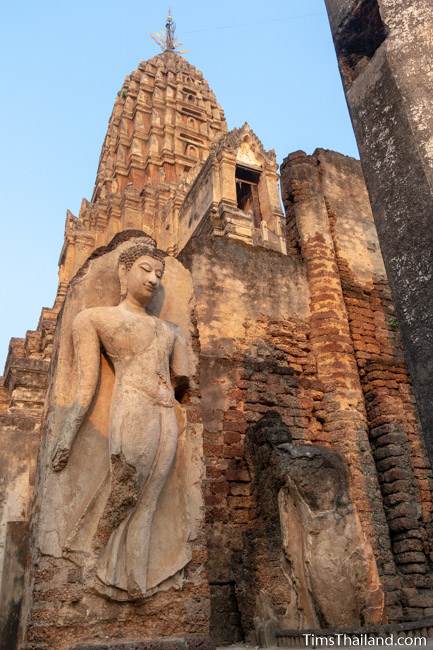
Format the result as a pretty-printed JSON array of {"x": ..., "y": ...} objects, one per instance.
[{"x": 167, "y": 40}]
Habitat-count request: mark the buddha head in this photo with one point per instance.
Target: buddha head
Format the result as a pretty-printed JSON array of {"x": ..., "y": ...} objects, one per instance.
[{"x": 141, "y": 267}]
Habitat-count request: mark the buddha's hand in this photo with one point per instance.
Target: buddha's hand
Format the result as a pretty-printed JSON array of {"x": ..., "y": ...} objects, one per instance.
[
  {"x": 62, "y": 448},
  {"x": 60, "y": 455},
  {"x": 64, "y": 434}
]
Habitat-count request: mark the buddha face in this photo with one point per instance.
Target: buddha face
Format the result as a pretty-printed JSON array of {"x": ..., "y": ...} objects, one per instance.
[{"x": 143, "y": 279}]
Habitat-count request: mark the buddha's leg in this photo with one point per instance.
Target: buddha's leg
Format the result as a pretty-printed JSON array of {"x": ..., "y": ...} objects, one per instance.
[
  {"x": 146, "y": 441},
  {"x": 139, "y": 528}
]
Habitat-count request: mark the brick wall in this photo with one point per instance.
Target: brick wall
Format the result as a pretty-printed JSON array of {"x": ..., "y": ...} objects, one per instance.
[
  {"x": 328, "y": 205},
  {"x": 252, "y": 316},
  {"x": 22, "y": 394}
]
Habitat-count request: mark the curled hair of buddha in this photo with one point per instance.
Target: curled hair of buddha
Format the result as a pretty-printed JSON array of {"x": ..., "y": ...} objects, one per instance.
[{"x": 144, "y": 246}]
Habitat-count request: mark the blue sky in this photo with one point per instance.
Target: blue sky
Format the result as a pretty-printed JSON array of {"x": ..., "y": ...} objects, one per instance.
[{"x": 271, "y": 64}]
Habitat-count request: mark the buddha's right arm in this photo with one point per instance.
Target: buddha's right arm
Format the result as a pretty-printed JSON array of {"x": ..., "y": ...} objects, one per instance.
[
  {"x": 87, "y": 362},
  {"x": 87, "y": 359}
]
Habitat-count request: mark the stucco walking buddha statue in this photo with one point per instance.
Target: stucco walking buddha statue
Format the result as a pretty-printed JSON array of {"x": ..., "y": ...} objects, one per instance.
[
  {"x": 114, "y": 499},
  {"x": 143, "y": 429}
]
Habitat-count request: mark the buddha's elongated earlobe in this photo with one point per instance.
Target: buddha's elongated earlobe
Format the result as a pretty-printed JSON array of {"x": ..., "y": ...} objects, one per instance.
[{"x": 123, "y": 272}]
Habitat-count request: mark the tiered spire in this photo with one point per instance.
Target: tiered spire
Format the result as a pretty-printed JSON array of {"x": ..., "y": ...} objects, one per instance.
[{"x": 164, "y": 124}]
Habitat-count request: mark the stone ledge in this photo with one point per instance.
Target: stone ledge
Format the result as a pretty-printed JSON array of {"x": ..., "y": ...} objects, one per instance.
[{"x": 178, "y": 643}]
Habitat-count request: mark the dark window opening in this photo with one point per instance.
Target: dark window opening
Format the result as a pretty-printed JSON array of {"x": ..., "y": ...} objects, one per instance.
[
  {"x": 247, "y": 193},
  {"x": 358, "y": 38}
]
